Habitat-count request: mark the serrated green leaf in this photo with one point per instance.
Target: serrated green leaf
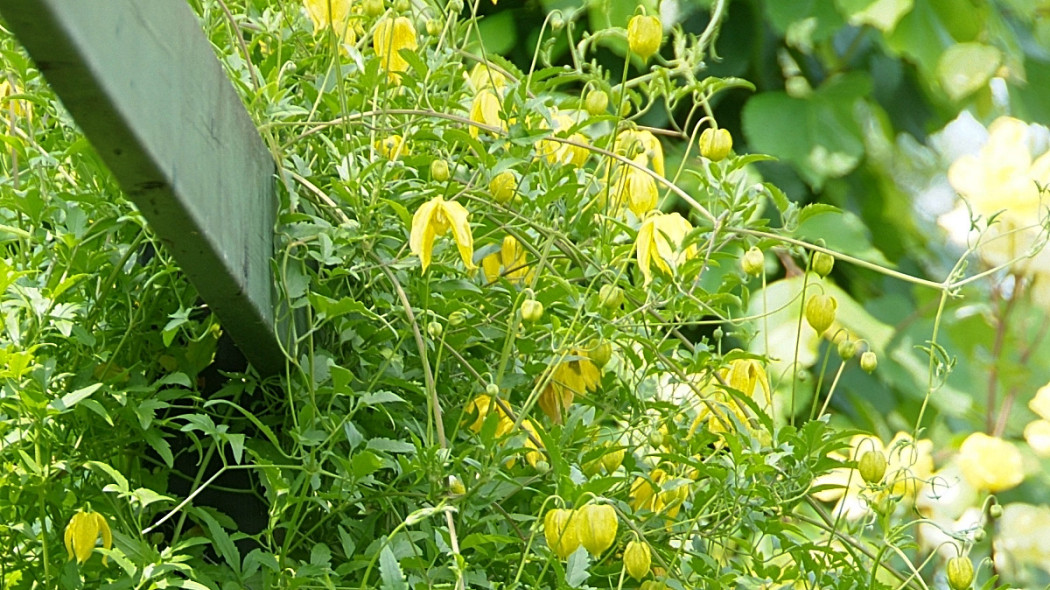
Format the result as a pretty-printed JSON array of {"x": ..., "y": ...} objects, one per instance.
[{"x": 390, "y": 571}]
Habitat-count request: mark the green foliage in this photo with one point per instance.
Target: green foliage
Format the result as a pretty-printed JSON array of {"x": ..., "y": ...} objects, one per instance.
[{"x": 428, "y": 418}]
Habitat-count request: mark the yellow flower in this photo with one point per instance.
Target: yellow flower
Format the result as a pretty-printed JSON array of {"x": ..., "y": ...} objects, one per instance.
[
  {"x": 482, "y": 76},
  {"x": 435, "y": 218},
  {"x": 393, "y": 34},
  {"x": 1040, "y": 404},
  {"x": 633, "y": 187},
  {"x": 1003, "y": 179},
  {"x": 490, "y": 265},
  {"x": 561, "y": 528},
  {"x": 1024, "y": 530},
  {"x": 512, "y": 255},
  {"x": 1037, "y": 435},
  {"x": 392, "y": 147},
  {"x": 990, "y": 463},
  {"x": 597, "y": 527},
  {"x": 339, "y": 15},
  {"x": 745, "y": 376},
  {"x": 631, "y": 143},
  {"x": 14, "y": 109},
  {"x": 643, "y": 490},
  {"x": 480, "y": 406},
  {"x": 486, "y": 109},
  {"x": 557, "y": 152},
  {"x": 909, "y": 465},
  {"x": 83, "y": 531},
  {"x": 532, "y": 454},
  {"x": 660, "y": 243},
  {"x": 570, "y": 378},
  {"x": 637, "y": 559}
]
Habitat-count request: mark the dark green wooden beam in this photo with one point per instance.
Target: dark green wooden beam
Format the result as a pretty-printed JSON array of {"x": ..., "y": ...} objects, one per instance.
[{"x": 143, "y": 83}]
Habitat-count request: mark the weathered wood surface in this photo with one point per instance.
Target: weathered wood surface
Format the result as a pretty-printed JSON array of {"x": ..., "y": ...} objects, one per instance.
[{"x": 143, "y": 83}]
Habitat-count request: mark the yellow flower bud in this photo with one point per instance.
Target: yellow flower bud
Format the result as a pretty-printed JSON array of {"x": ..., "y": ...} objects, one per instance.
[
  {"x": 597, "y": 527},
  {"x": 847, "y": 349},
  {"x": 531, "y": 310},
  {"x": 455, "y": 485},
  {"x": 715, "y": 144},
  {"x": 611, "y": 461},
  {"x": 822, "y": 263},
  {"x": 502, "y": 186},
  {"x": 560, "y": 530},
  {"x": 597, "y": 102},
  {"x": 820, "y": 312},
  {"x": 960, "y": 573},
  {"x": 868, "y": 361},
  {"x": 610, "y": 296},
  {"x": 83, "y": 531},
  {"x": 600, "y": 352},
  {"x": 872, "y": 466},
  {"x": 645, "y": 34},
  {"x": 753, "y": 261},
  {"x": 637, "y": 558},
  {"x": 439, "y": 170}
]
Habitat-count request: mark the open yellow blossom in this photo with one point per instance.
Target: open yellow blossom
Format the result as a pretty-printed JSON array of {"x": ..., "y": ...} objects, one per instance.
[
  {"x": 83, "y": 531},
  {"x": 660, "y": 244},
  {"x": 558, "y": 152},
  {"x": 990, "y": 463},
  {"x": 486, "y": 109},
  {"x": 660, "y": 492},
  {"x": 392, "y": 147},
  {"x": 393, "y": 34},
  {"x": 533, "y": 455},
  {"x": 1040, "y": 404},
  {"x": 744, "y": 376},
  {"x": 512, "y": 255},
  {"x": 13, "y": 109},
  {"x": 435, "y": 218},
  {"x": 631, "y": 143},
  {"x": 483, "y": 76},
  {"x": 340, "y": 15},
  {"x": 569, "y": 379},
  {"x": 909, "y": 465},
  {"x": 480, "y": 407}
]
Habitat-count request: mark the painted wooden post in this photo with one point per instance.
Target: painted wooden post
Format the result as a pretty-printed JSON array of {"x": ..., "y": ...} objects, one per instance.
[{"x": 143, "y": 83}]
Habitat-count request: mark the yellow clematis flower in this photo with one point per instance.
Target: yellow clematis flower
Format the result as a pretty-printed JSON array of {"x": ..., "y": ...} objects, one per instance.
[
  {"x": 486, "y": 109},
  {"x": 392, "y": 147},
  {"x": 338, "y": 15},
  {"x": 482, "y": 77},
  {"x": 634, "y": 188},
  {"x": 480, "y": 407},
  {"x": 660, "y": 243},
  {"x": 990, "y": 463},
  {"x": 746, "y": 376},
  {"x": 435, "y": 218},
  {"x": 83, "y": 531},
  {"x": 393, "y": 34},
  {"x": 570, "y": 378},
  {"x": 631, "y": 143},
  {"x": 557, "y": 152}
]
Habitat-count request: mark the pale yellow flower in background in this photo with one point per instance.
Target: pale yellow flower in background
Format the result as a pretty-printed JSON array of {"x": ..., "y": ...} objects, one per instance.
[
  {"x": 950, "y": 506},
  {"x": 435, "y": 218},
  {"x": 83, "y": 531},
  {"x": 990, "y": 463},
  {"x": 393, "y": 34},
  {"x": 13, "y": 109},
  {"x": 660, "y": 244},
  {"x": 909, "y": 464},
  {"x": 482, "y": 76},
  {"x": 1002, "y": 181},
  {"x": 1023, "y": 538},
  {"x": 1037, "y": 433},
  {"x": 1040, "y": 404}
]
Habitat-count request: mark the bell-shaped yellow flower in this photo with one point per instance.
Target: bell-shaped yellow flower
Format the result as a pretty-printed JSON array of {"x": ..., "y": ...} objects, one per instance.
[
  {"x": 635, "y": 188},
  {"x": 83, "y": 531},
  {"x": 631, "y": 143},
  {"x": 486, "y": 109},
  {"x": 512, "y": 255},
  {"x": 480, "y": 407},
  {"x": 435, "y": 218},
  {"x": 660, "y": 244},
  {"x": 745, "y": 376},
  {"x": 392, "y": 147},
  {"x": 558, "y": 152},
  {"x": 570, "y": 378},
  {"x": 393, "y": 34},
  {"x": 340, "y": 15},
  {"x": 482, "y": 77}
]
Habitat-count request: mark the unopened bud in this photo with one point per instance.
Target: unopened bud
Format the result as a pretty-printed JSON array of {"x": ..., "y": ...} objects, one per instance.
[
  {"x": 753, "y": 261},
  {"x": 557, "y": 21},
  {"x": 439, "y": 170},
  {"x": 502, "y": 186},
  {"x": 610, "y": 296},
  {"x": 531, "y": 310},
  {"x": 597, "y": 102},
  {"x": 715, "y": 144},
  {"x": 820, "y": 312},
  {"x": 645, "y": 34},
  {"x": 847, "y": 349},
  {"x": 492, "y": 389},
  {"x": 822, "y": 263},
  {"x": 869, "y": 362},
  {"x": 600, "y": 352},
  {"x": 434, "y": 329},
  {"x": 872, "y": 466},
  {"x": 960, "y": 573}
]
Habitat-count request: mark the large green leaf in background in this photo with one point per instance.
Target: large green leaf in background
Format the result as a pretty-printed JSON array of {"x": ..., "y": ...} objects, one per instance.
[{"x": 818, "y": 134}]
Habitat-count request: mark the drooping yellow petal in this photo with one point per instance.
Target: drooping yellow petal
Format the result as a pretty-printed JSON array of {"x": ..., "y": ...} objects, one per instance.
[
  {"x": 81, "y": 534},
  {"x": 482, "y": 76},
  {"x": 513, "y": 256},
  {"x": 421, "y": 238},
  {"x": 645, "y": 250},
  {"x": 393, "y": 34},
  {"x": 107, "y": 535},
  {"x": 456, "y": 215},
  {"x": 485, "y": 109},
  {"x": 491, "y": 265}
]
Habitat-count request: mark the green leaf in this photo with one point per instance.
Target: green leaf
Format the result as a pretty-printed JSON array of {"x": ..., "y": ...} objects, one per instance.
[
  {"x": 220, "y": 539},
  {"x": 120, "y": 481},
  {"x": 576, "y": 573},
  {"x": 66, "y": 402},
  {"x": 365, "y": 463},
  {"x": 391, "y": 446},
  {"x": 381, "y": 397},
  {"x": 881, "y": 14},
  {"x": 966, "y": 68},
  {"x": 390, "y": 571}
]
